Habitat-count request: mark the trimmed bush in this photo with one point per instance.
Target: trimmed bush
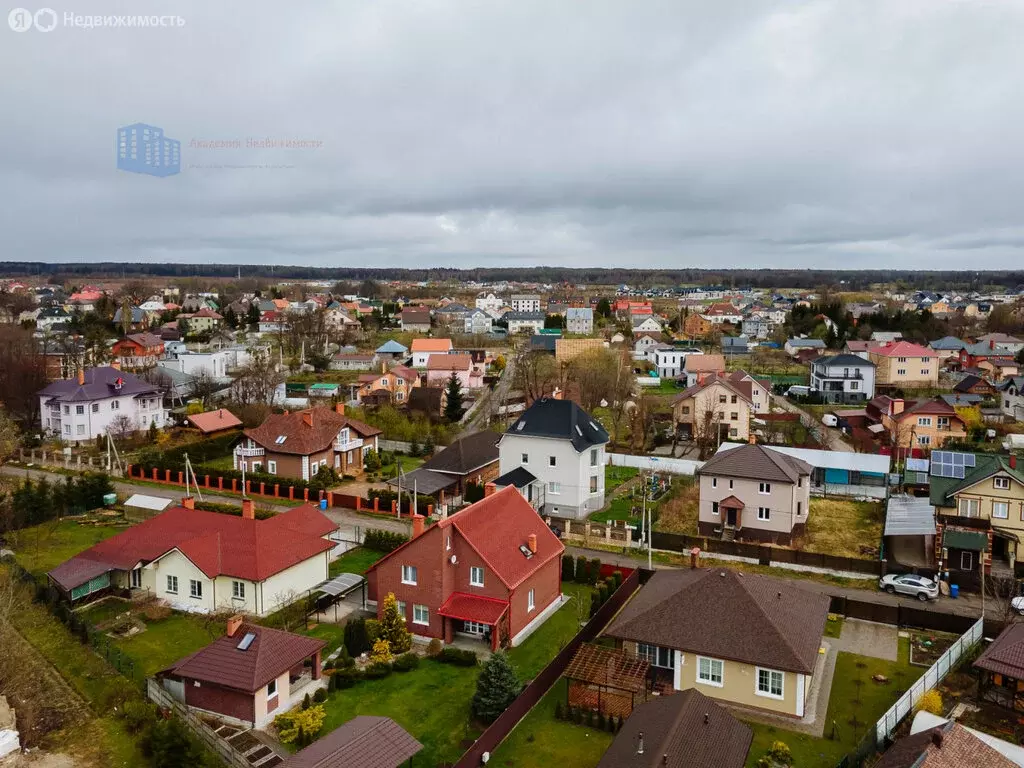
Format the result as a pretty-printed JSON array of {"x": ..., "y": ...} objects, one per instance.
[
  {"x": 377, "y": 670},
  {"x": 568, "y": 568},
  {"x": 372, "y": 631},
  {"x": 383, "y": 541},
  {"x": 457, "y": 656},
  {"x": 434, "y": 647},
  {"x": 406, "y": 662},
  {"x": 582, "y": 569},
  {"x": 356, "y": 639},
  {"x": 320, "y": 696},
  {"x": 595, "y": 570},
  {"x": 617, "y": 578},
  {"x": 346, "y": 678},
  {"x": 306, "y": 701}
]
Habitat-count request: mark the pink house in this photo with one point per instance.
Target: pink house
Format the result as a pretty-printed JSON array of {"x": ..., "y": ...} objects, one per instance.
[{"x": 441, "y": 367}]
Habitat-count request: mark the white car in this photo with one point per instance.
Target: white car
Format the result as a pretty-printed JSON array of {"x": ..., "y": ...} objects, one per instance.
[
  {"x": 911, "y": 584},
  {"x": 1018, "y": 605}
]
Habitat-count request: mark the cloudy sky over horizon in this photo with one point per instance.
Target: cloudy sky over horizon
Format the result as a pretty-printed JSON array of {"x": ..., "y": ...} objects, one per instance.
[{"x": 642, "y": 133}]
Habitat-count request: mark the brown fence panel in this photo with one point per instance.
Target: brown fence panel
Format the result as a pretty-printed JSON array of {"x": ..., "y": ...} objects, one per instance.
[
  {"x": 883, "y": 614},
  {"x": 673, "y": 542},
  {"x": 922, "y": 618},
  {"x": 348, "y": 501},
  {"x": 748, "y": 550},
  {"x": 783, "y": 555},
  {"x": 540, "y": 685}
]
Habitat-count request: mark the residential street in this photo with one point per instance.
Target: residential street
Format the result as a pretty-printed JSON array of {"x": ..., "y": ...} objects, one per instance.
[
  {"x": 965, "y": 605},
  {"x": 831, "y": 439}
]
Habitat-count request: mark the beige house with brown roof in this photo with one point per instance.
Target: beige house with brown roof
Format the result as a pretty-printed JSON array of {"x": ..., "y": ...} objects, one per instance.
[
  {"x": 698, "y": 367},
  {"x": 717, "y": 409},
  {"x": 744, "y": 639},
  {"x": 753, "y": 492}
]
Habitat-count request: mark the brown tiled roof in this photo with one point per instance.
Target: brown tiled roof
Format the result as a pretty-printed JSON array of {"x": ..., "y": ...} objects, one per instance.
[
  {"x": 272, "y": 653},
  {"x": 214, "y": 421},
  {"x": 1005, "y": 655},
  {"x": 365, "y": 741},
  {"x": 304, "y": 439},
  {"x": 698, "y": 363},
  {"x": 748, "y": 618},
  {"x": 684, "y": 730},
  {"x": 944, "y": 746},
  {"x": 756, "y": 462},
  {"x": 449, "y": 363},
  {"x": 732, "y": 386}
]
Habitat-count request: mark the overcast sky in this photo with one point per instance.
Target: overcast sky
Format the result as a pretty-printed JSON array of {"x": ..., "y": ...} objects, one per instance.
[{"x": 853, "y": 133}]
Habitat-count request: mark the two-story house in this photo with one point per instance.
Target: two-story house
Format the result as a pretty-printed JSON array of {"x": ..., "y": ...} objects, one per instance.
[
  {"x": 979, "y": 505},
  {"x": 754, "y": 492},
  {"x": 477, "y": 322},
  {"x": 843, "y": 379},
  {"x": 138, "y": 351},
  {"x": 758, "y": 391},
  {"x": 904, "y": 365},
  {"x": 99, "y": 401},
  {"x": 440, "y": 368},
  {"x": 744, "y": 639},
  {"x": 716, "y": 409},
  {"x": 560, "y": 450},
  {"x": 391, "y": 386},
  {"x": 422, "y": 349},
  {"x": 1011, "y": 397},
  {"x": 696, "y": 327},
  {"x": 579, "y": 320},
  {"x": 699, "y": 368},
  {"x": 947, "y": 348},
  {"x": 669, "y": 360},
  {"x": 302, "y": 443},
  {"x": 645, "y": 324},
  {"x": 995, "y": 361},
  {"x": 415, "y": 319},
  {"x": 923, "y": 424},
  {"x": 524, "y": 322},
  {"x": 490, "y": 571}
]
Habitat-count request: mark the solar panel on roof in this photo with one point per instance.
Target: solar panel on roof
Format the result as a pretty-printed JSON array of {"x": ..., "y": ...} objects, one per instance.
[{"x": 246, "y": 641}]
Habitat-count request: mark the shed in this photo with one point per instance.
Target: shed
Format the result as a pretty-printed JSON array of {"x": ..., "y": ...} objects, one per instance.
[{"x": 148, "y": 503}]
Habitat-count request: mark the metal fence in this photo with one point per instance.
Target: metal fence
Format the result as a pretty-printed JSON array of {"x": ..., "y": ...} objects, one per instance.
[
  {"x": 547, "y": 677},
  {"x": 202, "y": 731},
  {"x": 932, "y": 677},
  {"x": 655, "y": 463}
]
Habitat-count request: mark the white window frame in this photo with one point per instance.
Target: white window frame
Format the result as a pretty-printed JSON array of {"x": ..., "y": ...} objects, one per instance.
[
  {"x": 195, "y": 589},
  {"x": 1002, "y": 506},
  {"x": 401, "y": 608},
  {"x": 172, "y": 581},
  {"x": 652, "y": 652},
  {"x": 530, "y": 604},
  {"x": 554, "y": 487},
  {"x": 709, "y": 680},
  {"x": 764, "y": 514},
  {"x": 416, "y": 609},
  {"x": 924, "y": 439},
  {"x": 272, "y": 689},
  {"x": 771, "y": 673},
  {"x": 135, "y": 578},
  {"x": 765, "y": 489},
  {"x": 593, "y": 457},
  {"x": 271, "y": 467},
  {"x": 595, "y": 484},
  {"x": 238, "y": 590},
  {"x": 924, "y": 421},
  {"x": 410, "y": 574},
  {"x": 476, "y": 571},
  {"x": 1001, "y": 483},
  {"x": 714, "y": 482},
  {"x": 968, "y": 507}
]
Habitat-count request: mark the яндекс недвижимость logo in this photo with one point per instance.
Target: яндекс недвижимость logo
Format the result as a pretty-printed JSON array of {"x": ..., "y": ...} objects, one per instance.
[{"x": 144, "y": 149}]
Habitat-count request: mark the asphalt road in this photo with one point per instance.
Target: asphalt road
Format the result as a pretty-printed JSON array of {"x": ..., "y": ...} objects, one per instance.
[{"x": 827, "y": 436}]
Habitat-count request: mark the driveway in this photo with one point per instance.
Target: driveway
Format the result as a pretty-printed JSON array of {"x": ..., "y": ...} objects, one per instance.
[
  {"x": 830, "y": 438},
  {"x": 866, "y": 638}
]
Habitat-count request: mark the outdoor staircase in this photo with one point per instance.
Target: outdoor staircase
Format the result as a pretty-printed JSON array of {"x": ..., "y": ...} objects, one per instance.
[{"x": 728, "y": 534}]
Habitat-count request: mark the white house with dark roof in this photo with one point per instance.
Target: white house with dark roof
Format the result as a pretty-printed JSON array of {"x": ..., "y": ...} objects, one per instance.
[
  {"x": 844, "y": 378},
  {"x": 86, "y": 406},
  {"x": 562, "y": 448}
]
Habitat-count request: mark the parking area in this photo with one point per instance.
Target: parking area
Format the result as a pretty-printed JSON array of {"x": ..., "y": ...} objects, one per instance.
[{"x": 866, "y": 638}]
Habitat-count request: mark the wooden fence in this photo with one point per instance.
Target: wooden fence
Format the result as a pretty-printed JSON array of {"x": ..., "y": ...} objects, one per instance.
[
  {"x": 542, "y": 683},
  {"x": 202, "y": 731}
]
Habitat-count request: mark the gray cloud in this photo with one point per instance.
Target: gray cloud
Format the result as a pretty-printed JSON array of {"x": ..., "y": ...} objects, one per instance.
[{"x": 519, "y": 132}]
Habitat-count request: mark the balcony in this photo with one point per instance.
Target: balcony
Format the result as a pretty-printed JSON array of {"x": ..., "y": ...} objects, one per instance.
[
  {"x": 243, "y": 452},
  {"x": 822, "y": 373},
  {"x": 964, "y": 521},
  {"x": 348, "y": 445}
]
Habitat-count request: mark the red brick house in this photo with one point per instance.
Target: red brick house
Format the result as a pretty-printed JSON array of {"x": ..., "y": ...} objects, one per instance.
[
  {"x": 250, "y": 675},
  {"x": 138, "y": 351},
  {"x": 492, "y": 570}
]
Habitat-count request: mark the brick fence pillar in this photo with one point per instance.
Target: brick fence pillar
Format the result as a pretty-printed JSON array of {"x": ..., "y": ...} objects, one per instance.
[
  {"x": 220, "y": 483},
  {"x": 181, "y": 477},
  {"x": 167, "y": 475},
  {"x": 359, "y": 503},
  {"x": 248, "y": 487},
  {"x": 291, "y": 492},
  {"x": 305, "y": 494},
  {"x": 234, "y": 485},
  {"x": 276, "y": 487},
  {"x": 154, "y": 473},
  {"x": 261, "y": 488},
  {"x": 330, "y": 498},
  {"x": 394, "y": 506},
  {"x": 376, "y": 504},
  {"x": 206, "y": 479}
]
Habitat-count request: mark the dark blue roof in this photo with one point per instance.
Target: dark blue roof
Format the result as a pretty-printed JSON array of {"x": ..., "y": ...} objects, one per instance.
[
  {"x": 99, "y": 384},
  {"x": 562, "y": 419}
]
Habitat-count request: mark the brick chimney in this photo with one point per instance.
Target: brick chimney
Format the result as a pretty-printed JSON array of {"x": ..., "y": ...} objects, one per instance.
[
  {"x": 1013, "y": 461},
  {"x": 307, "y": 417},
  {"x": 896, "y": 406},
  {"x": 115, "y": 364},
  {"x": 81, "y": 377},
  {"x": 490, "y": 489},
  {"x": 188, "y": 502},
  {"x": 339, "y": 408},
  {"x": 234, "y": 624},
  {"x": 417, "y": 525},
  {"x": 531, "y": 542},
  {"x": 248, "y": 509}
]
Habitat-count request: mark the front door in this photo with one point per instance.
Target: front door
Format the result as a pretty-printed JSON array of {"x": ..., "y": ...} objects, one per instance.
[
  {"x": 730, "y": 517},
  {"x": 966, "y": 560}
]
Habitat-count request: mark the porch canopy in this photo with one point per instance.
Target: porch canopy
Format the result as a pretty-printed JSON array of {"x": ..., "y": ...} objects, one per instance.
[
  {"x": 483, "y": 610},
  {"x": 973, "y": 540},
  {"x": 909, "y": 516}
]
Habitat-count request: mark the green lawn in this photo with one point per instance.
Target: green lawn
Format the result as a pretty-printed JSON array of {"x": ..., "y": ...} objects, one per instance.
[
  {"x": 356, "y": 560},
  {"x": 431, "y": 703},
  {"x": 867, "y": 701},
  {"x": 616, "y": 476},
  {"x": 553, "y": 635},
  {"x": 541, "y": 741},
  {"x": 620, "y": 508},
  {"x": 44, "y": 547},
  {"x": 221, "y": 463},
  {"x": 408, "y": 464},
  {"x": 167, "y": 640},
  {"x": 332, "y": 634}
]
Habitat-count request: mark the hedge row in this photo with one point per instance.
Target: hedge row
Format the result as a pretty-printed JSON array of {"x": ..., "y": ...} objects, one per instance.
[{"x": 383, "y": 541}]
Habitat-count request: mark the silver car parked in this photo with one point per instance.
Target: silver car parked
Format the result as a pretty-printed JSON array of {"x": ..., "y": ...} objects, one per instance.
[{"x": 920, "y": 587}]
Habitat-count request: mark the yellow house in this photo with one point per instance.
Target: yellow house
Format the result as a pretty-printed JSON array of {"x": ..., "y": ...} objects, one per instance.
[
  {"x": 922, "y": 424},
  {"x": 904, "y": 365},
  {"x": 744, "y": 639},
  {"x": 716, "y": 407},
  {"x": 988, "y": 498}
]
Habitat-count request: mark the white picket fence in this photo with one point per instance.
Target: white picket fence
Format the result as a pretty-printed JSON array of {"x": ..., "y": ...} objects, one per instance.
[
  {"x": 932, "y": 677},
  {"x": 655, "y": 463}
]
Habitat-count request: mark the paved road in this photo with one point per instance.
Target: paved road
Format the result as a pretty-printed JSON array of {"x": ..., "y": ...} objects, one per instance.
[
  {"x": 965, "y": 605},
  {"x": 831, "y": 438},
  {"x": 482, "y": 416},
  {"x": 348, "y": 519}
]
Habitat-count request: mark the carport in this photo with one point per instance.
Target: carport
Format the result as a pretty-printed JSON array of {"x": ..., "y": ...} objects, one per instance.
[
  {"x": 337, "y": 589},
  {"x": 910, "y": 531}
]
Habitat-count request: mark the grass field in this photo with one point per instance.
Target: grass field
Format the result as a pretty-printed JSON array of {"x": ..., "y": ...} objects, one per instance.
[
  {"x": 220, "y": 463},
  {"x": 356, "y": 560},
  {"x": 44, "y": 547},
  {"x": 544, "y": 644},
  {"x": 616, "y": 476},
  {"x": 841, "y": 526},
  {"x": 540, "y": 741},
  {"x": 855, "y": 704},
  {"x": 679, "y": 513}
]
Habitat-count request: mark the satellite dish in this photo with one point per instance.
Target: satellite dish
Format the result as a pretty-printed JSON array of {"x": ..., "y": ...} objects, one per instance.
[{"x": 454, "y": 559}]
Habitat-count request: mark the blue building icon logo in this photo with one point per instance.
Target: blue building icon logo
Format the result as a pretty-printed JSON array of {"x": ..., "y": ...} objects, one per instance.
[{"x": 144, "y": 149}]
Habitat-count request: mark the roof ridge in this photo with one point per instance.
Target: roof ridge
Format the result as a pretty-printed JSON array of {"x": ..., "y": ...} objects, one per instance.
[
  {"x": 781, "y": 631},
  {"x": 781, "y": 460}
]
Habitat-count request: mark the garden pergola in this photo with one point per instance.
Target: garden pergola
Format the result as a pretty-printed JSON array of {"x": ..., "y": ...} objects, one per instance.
[{"x": 606, "y": 679}]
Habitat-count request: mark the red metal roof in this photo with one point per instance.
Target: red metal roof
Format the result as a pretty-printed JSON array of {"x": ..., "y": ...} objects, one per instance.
[
  {"x": 486, "y": 610},
  {"x": 214, "y": 421},
  {"x": 217, "y": 543},
  {"x": 900, "y": 349}
]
